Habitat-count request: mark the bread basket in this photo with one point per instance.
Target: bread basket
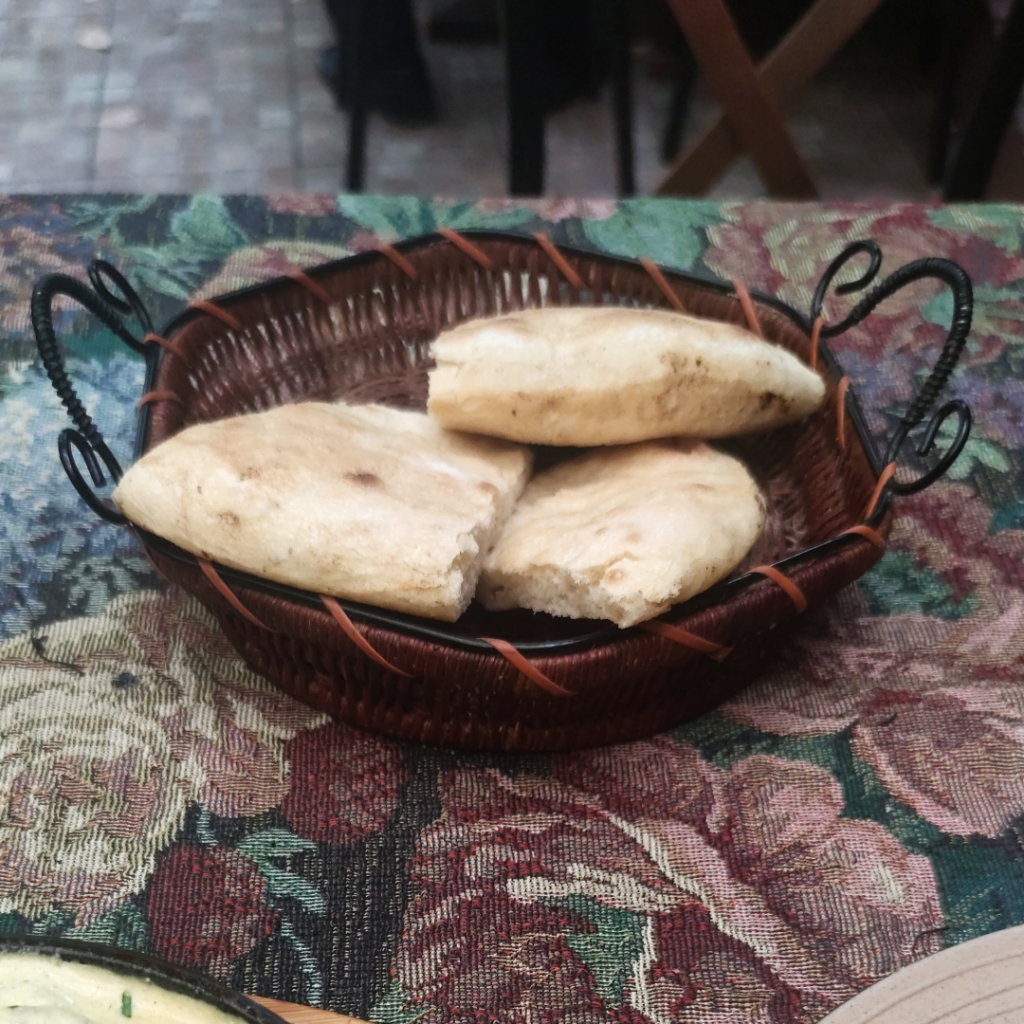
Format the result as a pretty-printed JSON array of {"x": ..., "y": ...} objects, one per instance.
[{"x": 360, "y": 329}]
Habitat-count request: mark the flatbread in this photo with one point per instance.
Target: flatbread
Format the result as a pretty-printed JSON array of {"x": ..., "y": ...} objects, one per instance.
[
  {"x": 607, "y": 375},
  {"x": 364, "y": 502},
  {"x": 624, "y": 533}
]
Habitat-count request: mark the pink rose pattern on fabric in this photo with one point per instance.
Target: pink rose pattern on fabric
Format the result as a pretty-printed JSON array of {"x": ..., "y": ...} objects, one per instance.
[
  {"x": 25, "y": 256},
  {"x": 935, "y": 706},
  {"x": 749, "y": 873},
  {"x": 208, "y": 908},
  {"x": 149, "y": 709},
  {"x": 344, "y": 784}
]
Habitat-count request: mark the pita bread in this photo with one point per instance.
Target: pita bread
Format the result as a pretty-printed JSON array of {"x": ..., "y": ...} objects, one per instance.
[
  {"x": 363, "y": 502},
  {"x": 607, "y": 375},
  {"x": 624, "y": 533}
]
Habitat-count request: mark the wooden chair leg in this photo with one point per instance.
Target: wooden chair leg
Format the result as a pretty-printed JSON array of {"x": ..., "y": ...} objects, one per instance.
[
  {"x": 807, "y": 48},
  {"x": 749, "y": 106}
]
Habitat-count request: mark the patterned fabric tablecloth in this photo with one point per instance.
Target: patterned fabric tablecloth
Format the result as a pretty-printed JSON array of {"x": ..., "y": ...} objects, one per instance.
[{"x": 859, "y": 807}]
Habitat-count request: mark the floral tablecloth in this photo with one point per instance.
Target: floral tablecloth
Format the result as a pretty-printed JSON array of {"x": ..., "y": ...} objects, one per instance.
[{"x": 859, "y": 807}]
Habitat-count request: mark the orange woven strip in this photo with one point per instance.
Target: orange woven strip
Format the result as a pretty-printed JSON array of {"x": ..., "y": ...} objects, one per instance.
[
  {"x": 659, "y": 279},
  {"x": 214, "y": 577},
  {"x": 467, "y": 247},
  {"x": 507, "y": 651},
  {"x": 815, "y": 338},
  {"x": 795, "y": 594},
  {"x": 748, "y": 308},
  {"x": 868, "y": 533},
  {"x": 169, "y": 345},
  {"x": 885, "y": 476},
  {"x": 399, "y": 260},
  {"x": 681, "y": 636},
  {"x": 844, "y": 386},
  {"x": 356, "y": 637},
  {"x": 158, "y": 396},
  {"x": 301, "y": 277},
  {"x": 214, "y": 310},
  {"x": 558, "y": 259}
]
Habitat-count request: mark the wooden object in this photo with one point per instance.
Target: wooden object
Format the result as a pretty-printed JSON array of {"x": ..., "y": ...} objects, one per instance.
[
  {"x": 808, "y": 47},
  {"x": 976, "y": 981},
  {"x": 296, "y": 1014}
]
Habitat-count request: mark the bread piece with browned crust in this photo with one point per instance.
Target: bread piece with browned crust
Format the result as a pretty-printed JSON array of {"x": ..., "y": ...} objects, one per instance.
[
  {"x": 624, "y": 533},
  {"x": 370, "y": 503},
  {"x": 588, "y": 376}
]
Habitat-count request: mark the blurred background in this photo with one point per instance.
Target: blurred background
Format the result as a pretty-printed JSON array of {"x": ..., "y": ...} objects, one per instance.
[{"x": 250, "y": 96}]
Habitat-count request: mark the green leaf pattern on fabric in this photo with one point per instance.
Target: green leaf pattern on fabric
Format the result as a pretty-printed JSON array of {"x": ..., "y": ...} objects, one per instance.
[
  {"x": 399, "y": 217},
  {"x": 898, "y": 584},
  {"x": 1002, "y": 224},
  {"x": 395, "y": 1008},
  {"x": 611, "y": 951},
  {"x": 670, "y": 232},
  {"x": 982, "y": 890},
  {"x": 124, "y": 925}
]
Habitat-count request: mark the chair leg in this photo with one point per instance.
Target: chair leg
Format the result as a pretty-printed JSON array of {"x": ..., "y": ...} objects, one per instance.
[
  {"x": 622, "y": 89},
  {"x": 951, "y": 16},
  {"x": 356, "y": 49},
  {"x": 748, "y": 104},
  {"x": 807, "y": 48},
  {"x": 525, "y": 100},
  {"x": 679, "y": 111},
  {"x": 973, "y": 162}
]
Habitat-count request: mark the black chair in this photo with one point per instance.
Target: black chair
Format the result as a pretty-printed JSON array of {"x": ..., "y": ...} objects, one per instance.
[
  {"x": 529, "y": 58},
  {"x": 971, "y": 166},
  {"x": 528, "y": 55}
]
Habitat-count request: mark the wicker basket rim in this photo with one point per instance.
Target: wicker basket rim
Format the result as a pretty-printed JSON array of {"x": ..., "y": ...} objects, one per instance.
[{"x": 439, "y": 632}]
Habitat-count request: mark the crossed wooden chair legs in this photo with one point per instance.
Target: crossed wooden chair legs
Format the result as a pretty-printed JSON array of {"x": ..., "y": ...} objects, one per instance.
[{"x": 751, "y": 95}]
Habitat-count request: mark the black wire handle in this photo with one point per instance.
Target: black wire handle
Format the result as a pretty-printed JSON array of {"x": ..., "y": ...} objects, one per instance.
[
  {"x": 108, "y": 307},
  {"x": 963, "y": 307},
  {"x": 131, "y": 303}
]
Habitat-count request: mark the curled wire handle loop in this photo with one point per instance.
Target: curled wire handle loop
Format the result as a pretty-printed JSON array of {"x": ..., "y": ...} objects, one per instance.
[
  {"x": 43, "y": 295},
  {"x": 71, "y": 439},
  {"x": 852, "y": 250},
  {"x": 962, "y": 411},
  {"x": 963, "y": 309},
  {"x": 131, "y": 303}
]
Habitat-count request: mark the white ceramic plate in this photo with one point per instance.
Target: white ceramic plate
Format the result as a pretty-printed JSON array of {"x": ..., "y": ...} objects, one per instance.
[{"x": 977, "y": 981}]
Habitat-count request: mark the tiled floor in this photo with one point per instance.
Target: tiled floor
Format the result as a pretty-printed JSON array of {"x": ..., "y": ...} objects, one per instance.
[{"x": 223, "y": 95}]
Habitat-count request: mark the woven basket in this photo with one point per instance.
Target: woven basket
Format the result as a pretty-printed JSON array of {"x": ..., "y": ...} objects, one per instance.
[{"x": 360, "y": 329}]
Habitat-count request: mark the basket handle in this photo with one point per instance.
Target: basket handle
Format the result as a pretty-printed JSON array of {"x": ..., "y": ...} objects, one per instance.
[
  {"x": 959, "y": 283},
  {"x": 108, "y": 307},
  {"x": 131, "y": 303}
]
